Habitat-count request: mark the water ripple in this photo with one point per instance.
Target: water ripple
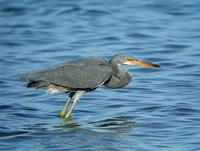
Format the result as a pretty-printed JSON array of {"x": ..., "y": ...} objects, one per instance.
[
  {"x": 158, "y": 110},
  {"x": 119, "y": 124},
  {"x": 6, "y": 135},
  {"x": 70, "y": 8}
]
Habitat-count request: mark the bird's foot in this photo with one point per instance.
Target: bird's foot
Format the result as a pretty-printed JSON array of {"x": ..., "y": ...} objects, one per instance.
[
  {"x": 62, "y": 114},
  {"x": 68, "y": 117}
]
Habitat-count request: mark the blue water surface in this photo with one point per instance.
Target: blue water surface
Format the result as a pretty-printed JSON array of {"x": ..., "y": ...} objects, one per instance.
[{"x": 158, "y": 111}]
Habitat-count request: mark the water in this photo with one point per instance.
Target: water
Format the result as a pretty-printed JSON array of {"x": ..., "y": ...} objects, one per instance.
[{"x": 158, "y": 110}]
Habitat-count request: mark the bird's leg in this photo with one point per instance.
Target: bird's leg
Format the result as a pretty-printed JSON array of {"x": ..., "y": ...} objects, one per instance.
[
  {"x": 62, "y": 113},
  {"x": 77, "y": 97}
]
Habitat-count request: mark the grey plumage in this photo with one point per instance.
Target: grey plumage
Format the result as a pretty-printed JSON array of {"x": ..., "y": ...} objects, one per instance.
[
  {"x": 86, "y": 73},
  {"x": 82, "y": 75}
]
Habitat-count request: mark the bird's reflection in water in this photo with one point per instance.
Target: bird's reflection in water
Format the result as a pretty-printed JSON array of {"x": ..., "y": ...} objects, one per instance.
[
  {"x": 68, "y": 124},
  {"x": 115, "y": 125},
  {"x": 89, "y": 134}
]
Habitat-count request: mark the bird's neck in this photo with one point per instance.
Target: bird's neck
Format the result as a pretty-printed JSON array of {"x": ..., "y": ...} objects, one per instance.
[
  {"x": 120, "y": 77},
  {"x": 115, "y": 67}
]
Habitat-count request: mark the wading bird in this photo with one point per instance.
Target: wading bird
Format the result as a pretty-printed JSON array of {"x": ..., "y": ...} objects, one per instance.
[{"x": 83, "y": 75}]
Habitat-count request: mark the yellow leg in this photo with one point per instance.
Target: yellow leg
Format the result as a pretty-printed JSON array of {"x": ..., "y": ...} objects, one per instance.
[
  {"x": 62, "y": 113},
  {"x": 77, "y": 97}
]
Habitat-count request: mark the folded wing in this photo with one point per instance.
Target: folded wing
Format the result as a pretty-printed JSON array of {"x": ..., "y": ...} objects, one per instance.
[{"x": 76, "y": 74}]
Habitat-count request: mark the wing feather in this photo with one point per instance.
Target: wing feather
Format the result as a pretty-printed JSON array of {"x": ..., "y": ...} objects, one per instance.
[{"x": 76, "y": 75}]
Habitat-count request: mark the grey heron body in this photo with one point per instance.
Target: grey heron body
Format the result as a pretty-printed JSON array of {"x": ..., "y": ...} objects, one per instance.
[{"x": 83, "y": 75}]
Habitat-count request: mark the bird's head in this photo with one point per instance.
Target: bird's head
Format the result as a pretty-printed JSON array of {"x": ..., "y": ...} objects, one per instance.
[{"x": 126, "y": 59}]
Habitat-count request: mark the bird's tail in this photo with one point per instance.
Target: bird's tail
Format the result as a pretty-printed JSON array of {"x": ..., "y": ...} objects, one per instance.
[
  {"x": 37, "y": 84},
  {"x": 33, "y": 82}
]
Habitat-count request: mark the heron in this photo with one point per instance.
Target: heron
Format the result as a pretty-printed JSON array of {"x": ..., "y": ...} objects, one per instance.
[{"x": 83, "y": 75}]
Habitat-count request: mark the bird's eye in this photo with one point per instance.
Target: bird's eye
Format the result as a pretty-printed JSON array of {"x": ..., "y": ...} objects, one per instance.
[{"x": 128, "y": 58}]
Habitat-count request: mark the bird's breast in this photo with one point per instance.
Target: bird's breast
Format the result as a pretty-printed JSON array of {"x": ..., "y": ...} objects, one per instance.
[{"x": 119, "y": 81}]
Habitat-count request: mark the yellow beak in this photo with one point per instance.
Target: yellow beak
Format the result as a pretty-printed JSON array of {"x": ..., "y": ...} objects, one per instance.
[{"x": 133, "y": 61}]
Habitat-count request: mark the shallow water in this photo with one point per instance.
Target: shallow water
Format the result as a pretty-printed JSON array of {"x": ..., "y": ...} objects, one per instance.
[{"x": 158, "y": 110}]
